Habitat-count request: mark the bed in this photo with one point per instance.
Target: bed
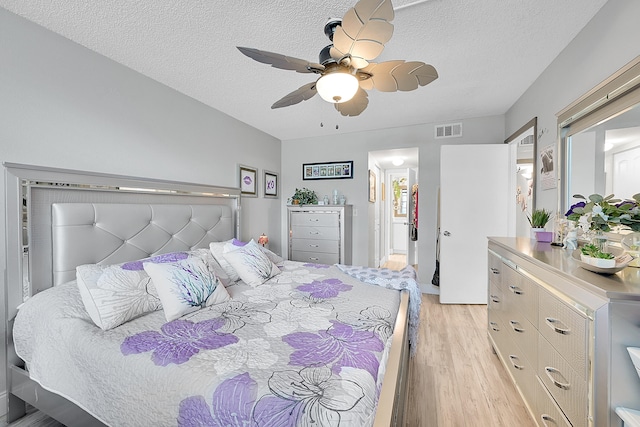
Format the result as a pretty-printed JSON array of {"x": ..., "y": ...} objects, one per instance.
[{"x": 311, "y": 345}]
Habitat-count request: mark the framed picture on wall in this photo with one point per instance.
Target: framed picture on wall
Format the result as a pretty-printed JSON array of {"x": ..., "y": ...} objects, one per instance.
[
  {"x": 372, "y": 186},
  {"x": 270, "y": 184},
  {"x": 330, "y": 170},
  {"x": 248, "y": 181}
]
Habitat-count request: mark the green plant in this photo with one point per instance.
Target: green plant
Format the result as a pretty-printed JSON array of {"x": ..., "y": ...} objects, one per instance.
[
  {"x": 594, "y": 252},
  {"x": 305, "y": 196},
  {"x": 539, "y": 218},
  {"x": 602, "y": 213}
]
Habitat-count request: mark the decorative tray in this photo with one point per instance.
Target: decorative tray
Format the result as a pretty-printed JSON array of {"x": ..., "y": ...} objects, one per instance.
[{"x": 622, "y": 260}]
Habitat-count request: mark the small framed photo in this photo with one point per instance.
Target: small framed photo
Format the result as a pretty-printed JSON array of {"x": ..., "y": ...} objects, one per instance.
[
  {"x": 248, "y": 181},
  {"x": 329, "y": 170},
  {"x": 270, "y": 184}
]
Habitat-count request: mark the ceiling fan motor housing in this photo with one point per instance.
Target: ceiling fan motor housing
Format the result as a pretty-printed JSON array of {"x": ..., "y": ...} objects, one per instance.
[{"x": 330, "y": 27}]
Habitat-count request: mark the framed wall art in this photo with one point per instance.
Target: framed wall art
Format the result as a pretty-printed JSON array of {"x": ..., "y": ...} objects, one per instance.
[
  {"x": 248, "y": 177},
  {"x": 331, "y": 170},
  {"x": 270, "y": 184}
]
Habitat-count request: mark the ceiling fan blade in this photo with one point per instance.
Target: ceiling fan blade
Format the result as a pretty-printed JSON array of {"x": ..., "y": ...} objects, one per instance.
[
  {"x": 301, "y": 94},
  {"x": 283, "y": 62},
  {"x": 392, "y": 76},
  {"x": 364, "y": 30},
  {"x": 355, "y": 105}
]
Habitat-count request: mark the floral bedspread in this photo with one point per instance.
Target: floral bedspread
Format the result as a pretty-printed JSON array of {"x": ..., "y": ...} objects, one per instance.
[{"x": 307, "y": 348}]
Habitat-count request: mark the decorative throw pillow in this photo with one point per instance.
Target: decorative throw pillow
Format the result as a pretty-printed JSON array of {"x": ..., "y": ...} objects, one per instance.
[
  {"x": 230, "y": 276},
  {"x": 275, "y": 258},
  {"x": 250, "y": 262},
  {"x": 115, "y": 294},
  {"x": 185, "y": 286}
]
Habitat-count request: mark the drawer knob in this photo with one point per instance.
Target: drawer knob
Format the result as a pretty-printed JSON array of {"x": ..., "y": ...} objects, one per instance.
[
  {"x": 557, "y": 326},
  {"x": 314, "y": 246},
  {"x": 516, "y": 290},
  {"x": 314, "y": 219},
  {"x": 313, "y": 259},
  {"x": 513, "y": 358},
  {"x": 495, "y": 299},
  {"x": 314, "y": 232},
  {"x": 495, "y": 270},
  {"x": 557, "y": 378},
  {"x": 514, "y": 325},
  {"x": 494, "y": 326},
  {"x": 547, "y": 420}
]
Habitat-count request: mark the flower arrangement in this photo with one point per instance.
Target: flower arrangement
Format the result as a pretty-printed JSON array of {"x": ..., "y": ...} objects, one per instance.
[
  {"x": 598, "y": 213},
  {"x": 305, "y": 196},
  {"x": 539, "y": 218}
]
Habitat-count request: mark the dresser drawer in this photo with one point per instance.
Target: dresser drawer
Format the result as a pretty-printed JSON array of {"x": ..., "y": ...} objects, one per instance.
[
  {"x": 315, "y": 219},
  {"x": 547, "y": 413},
  {"x": 495, "y": 300},
  {"x": 566, "y": 330},
  {"x": 522, "y": 370},
  {"x": 315, "y": 245},
  {"x": 325, "y": 233},
  {"x": 566, "y": 386},
  {"x": 495, "y": 268},
  {"x": 497, "y": 331},
  {"x": 520, "y": 295},
  {"x": 524, "y": 335},
  {"x": 315, "y": 257}
]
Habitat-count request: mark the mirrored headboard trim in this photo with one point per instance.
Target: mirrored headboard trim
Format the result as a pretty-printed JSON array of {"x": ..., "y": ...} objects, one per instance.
[{"x": 30, "y": 192}]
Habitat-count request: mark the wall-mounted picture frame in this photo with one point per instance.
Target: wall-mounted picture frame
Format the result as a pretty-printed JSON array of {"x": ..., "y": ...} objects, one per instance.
[
  {"x": 248, "y": 178},
  {"x": 372, "y": 186},
  {"x": 270, "y": 180},
  {"x": 330, "y": 170}
]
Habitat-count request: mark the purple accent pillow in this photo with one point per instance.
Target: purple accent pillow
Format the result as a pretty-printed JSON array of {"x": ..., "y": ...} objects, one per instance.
[{"x": 236, "y": 242}]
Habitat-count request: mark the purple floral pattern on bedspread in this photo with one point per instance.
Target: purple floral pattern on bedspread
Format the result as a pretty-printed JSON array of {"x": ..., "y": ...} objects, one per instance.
[
  {"x": 339, "y": 346},
  {"x": 328, "y": 288},
  {"x": 160, "y": 259},
  {"x": 178, "y": 341},
  {"x": 310, "y": 397}
]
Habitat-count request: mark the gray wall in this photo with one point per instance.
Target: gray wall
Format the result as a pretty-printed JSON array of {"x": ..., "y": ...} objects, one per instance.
[
  {"x": 606, "y": 44},
  {"x": 62, "y": 105},
  {"x": 356, "y": 146}
]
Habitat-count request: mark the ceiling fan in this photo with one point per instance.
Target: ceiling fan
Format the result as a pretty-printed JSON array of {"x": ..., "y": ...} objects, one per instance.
[{"x": 345, "y": 70}]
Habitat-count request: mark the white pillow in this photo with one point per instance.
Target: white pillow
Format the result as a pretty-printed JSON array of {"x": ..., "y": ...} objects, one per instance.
[
  {"x": 250, "y": 262},
  {"x": 185, "y": 286},
  {"x": 113, "y": 295},
  {"x": 230, "y": 276}
]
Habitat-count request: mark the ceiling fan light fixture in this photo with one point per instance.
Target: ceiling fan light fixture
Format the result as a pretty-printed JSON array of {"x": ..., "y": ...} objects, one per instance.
[{"x": 337, "y": 86}]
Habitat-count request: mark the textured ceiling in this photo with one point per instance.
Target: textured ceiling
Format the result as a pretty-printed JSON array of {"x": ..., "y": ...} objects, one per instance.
[{"x": 487, "y": 53}]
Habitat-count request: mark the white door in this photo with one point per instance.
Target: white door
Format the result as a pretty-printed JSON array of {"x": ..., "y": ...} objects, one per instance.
[{"x": 474, "y": 198}]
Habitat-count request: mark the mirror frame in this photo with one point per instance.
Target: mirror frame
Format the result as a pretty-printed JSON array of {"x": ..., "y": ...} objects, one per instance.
[
  {"x": 612, "y": 97},
  {"x": 533, "y": 123}
]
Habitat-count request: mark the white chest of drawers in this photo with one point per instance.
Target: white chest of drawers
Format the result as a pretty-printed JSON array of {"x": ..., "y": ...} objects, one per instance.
[
  {"x": 562, "y": 333},
  {"x": 320, "y": 234}
]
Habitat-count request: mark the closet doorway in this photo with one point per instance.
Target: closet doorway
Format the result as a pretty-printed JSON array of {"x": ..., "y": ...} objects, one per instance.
[{"x": 393, "y": 214}]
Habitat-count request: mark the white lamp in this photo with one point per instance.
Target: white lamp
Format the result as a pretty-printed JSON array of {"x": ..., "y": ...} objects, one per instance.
[
  {"x": 397, "y": 161},
  {"x": 337, "y": 86}
]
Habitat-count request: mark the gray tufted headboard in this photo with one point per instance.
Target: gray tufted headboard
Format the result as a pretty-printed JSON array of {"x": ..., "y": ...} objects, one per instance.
[
  {"x": 108, "y": 233},
  {"x": 58, "y": 219}
]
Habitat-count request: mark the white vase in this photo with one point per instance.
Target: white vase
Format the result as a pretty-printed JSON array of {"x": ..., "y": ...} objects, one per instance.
[{"x": 534, "y": 230}]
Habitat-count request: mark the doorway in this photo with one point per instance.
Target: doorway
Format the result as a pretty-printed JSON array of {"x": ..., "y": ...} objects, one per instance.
[{"x": 392, "y": 244}]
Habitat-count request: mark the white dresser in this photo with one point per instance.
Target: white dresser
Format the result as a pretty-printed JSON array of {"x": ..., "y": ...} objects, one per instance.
[
  {"x": 320, "y": 234},
  {"x": 562, "y": 332}
]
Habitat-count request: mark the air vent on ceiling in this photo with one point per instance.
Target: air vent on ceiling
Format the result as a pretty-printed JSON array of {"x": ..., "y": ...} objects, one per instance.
[{"x": 451, "y": 130}]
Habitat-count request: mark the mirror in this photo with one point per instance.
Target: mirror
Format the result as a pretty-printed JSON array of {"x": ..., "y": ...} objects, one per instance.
[
  {"x": 605, "y": 158},
  {"x": 600, "y": 139},
  {"x": 523, "y": 149},
  {"x": 399, "y": 197}
]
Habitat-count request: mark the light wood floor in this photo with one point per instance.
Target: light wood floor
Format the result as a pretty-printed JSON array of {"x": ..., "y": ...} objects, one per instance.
[{"x": 455, "y": 378}]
